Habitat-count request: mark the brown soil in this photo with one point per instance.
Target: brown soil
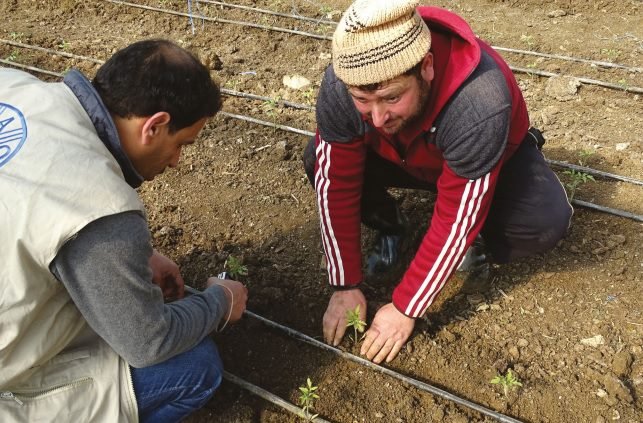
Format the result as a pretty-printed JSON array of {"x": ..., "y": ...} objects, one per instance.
[{"x": 241, "y": 190}]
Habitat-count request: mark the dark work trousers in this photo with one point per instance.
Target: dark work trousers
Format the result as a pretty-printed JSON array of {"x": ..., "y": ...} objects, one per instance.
[{"x": 529, "y": 213}]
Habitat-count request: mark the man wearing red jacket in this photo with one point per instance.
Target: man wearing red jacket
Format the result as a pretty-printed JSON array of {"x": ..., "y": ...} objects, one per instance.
[{"x": 413, "y": 99}]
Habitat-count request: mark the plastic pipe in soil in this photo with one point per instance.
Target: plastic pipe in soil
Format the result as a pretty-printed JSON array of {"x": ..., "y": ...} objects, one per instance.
[
  {"x": 268, "y": 396},
  {"x": 221, "y": 20},
  {"x": 416, "y": 383}
]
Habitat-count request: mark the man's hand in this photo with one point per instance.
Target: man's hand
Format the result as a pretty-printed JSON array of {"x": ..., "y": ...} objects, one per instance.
[
  {"x": 335, "y": 317},
  {"x": 166, "y": 274},
  {"x": 388, "y": 333},
  {"x": 236, "y": 294}
]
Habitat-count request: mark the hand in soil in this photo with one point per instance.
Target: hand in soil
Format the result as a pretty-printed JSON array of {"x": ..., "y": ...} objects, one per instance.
[
  {"x": 166, "y": 274},
  {"x": 335, "y": 317},
  {"x": 388, "y": 333},
  {"x": 236, "y": 293}
]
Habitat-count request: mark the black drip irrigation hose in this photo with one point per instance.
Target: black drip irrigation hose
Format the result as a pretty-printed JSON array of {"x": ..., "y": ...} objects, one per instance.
[
  {"x": 220, "y": 20},
  {"x": 270, "y": 12},
  {"x": 268, "y": 396},
  {"x": 609, "y": 210},
  {"x": 409, "y": 381},
  {"x": 587, "y": 81}
]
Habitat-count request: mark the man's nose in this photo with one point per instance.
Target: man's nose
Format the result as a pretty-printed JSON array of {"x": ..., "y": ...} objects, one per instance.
[{"x": 379, "y": 115}]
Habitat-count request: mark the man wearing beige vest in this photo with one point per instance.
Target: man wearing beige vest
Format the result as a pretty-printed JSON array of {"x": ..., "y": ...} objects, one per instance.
[{"x": 85, "y": 333}]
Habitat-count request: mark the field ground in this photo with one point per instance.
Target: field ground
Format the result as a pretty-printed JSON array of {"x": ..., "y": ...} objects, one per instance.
[{"x": 241, "y": 190}]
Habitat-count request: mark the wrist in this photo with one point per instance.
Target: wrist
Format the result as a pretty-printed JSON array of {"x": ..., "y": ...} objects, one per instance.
[{"x": 339, "y": 288}]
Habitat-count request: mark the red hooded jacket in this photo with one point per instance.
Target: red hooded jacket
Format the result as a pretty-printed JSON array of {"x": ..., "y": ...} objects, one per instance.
[{"x": 439, "y": 154}]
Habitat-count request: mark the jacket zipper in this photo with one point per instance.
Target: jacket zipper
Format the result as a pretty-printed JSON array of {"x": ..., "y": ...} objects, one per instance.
[
  {"x": 35, "y": 394},
  {"x": 10, "y": 396}
]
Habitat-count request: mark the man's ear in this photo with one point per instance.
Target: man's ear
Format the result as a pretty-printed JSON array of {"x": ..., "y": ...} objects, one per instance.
[
  {"x": 427, "y": 67},
  {"x": 156, "y": 124}
]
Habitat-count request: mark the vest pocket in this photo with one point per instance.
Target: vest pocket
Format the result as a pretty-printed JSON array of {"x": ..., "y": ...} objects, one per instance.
[{"x": 25, "y": 396}]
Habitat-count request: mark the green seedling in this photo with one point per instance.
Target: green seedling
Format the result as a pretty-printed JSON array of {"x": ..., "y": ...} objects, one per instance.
[
  {"x": 307, "y": 400},
  {"x": 309, "y": 95},
  {"x": 527, "y": 39},
  {"x": 64, "y": 45},
  {"x": 584, "y": 155},
  {"x": 16, "y": 36},
  {"x": 610, "y": 53},
  {"x": 270, "y": 108},
  {"x": 508, "y": 382},
  {"x": 325, "y": 10},
  {"x": 14, "y": 56},
  {"x": 576, "y": 179},
  {"x": 353, "y": 320},
  {"x": 235, "y": 267},
  {"x": 233, "y": 84}
]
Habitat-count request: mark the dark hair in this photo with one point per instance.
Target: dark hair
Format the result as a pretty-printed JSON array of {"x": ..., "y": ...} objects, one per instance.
[
  {"x": 414, "y": 71},
  {"x": 158, "y": 76}
]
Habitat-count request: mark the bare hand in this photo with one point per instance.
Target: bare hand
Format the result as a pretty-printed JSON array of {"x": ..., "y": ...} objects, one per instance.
[
  {"x": 335, "y": 317},
  {"x": 166, "y": 274},
  {"x": 236, "y": 294},
  {"x": 388, "y": 333}
]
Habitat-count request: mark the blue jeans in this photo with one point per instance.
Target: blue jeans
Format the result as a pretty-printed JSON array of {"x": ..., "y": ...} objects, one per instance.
[{"x": 172, "y": 390}]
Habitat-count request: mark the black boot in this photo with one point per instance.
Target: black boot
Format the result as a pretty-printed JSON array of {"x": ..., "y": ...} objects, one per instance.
[
  {"x": 477, "y": 264},
  {"x": 391, "y": 233}
]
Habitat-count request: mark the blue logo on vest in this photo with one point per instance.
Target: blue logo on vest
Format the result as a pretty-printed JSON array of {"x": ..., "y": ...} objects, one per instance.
[{"x": 13, "y": 132}]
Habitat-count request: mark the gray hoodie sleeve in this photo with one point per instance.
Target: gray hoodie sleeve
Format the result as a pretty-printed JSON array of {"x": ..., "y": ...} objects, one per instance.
[{"x": 105, "y": 269}]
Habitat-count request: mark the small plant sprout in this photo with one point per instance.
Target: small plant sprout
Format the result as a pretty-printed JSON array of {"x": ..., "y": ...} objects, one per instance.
[
  {"x": 14, "y": 56},
  {"x": 233, "y": 84},
  {"x": 353, "y": 320},
  {"x": 527, "y": 39},
  {"x": 16, "y": 36},
  {"x": 64, "y": 45},
  {"x": 309, "y": 95},
  {"x": 307, "y": 399},
  {"x": 270, "y": 106},
  {"x": 576, "y": 179},
  {"x": 508, "y": 382},
  {"x": 235, "y": 267},
  {"x": 584, "y": 155}
]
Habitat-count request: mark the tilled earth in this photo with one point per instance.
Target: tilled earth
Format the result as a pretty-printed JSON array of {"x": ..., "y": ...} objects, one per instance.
[{"x": 569, "y": 323}]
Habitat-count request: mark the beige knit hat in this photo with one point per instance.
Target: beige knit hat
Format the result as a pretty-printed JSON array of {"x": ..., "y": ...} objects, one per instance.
[{"x": 377, "y": 40}]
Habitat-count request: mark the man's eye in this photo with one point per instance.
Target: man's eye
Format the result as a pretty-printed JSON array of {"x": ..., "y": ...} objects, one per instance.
[{"x": 393, "y": 99}]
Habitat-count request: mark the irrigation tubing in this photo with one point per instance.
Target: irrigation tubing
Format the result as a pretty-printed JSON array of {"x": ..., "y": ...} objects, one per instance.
[
  {"x": 262, "y": 98},
  {"x": 268, "y": 396},
  {"x": 616, "y": 212},
  {"x": 413, "y": 382},
  {"x": 594, "y": 172},
  {"x": 221, "y": 20},
  {"x": 31, "y": 68},
  {"x": 569, "y": 59},
  {"x": 271, "y": 12},
  {"x": 49, "y": 50},
  {"x": 587, "y": 81}
]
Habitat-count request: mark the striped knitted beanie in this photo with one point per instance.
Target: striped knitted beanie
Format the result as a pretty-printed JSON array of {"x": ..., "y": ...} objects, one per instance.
[{"x": 377, "y": 40}]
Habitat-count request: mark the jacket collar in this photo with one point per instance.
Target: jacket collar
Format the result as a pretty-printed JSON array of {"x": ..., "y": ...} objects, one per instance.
[{"x": 102, "y": 121}]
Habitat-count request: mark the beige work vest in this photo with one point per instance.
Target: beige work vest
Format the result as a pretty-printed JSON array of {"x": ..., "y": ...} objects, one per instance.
[{"x": 56, "y": 176}]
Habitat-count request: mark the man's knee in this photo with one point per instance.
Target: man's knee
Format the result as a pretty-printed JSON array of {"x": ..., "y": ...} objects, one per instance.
[
  {"x": 207, "y": 369},
  {"x": 556, "y": 225}
]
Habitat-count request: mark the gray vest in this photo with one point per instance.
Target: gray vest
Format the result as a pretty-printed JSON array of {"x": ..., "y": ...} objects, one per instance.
[{"x": 56, "y": 176}]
